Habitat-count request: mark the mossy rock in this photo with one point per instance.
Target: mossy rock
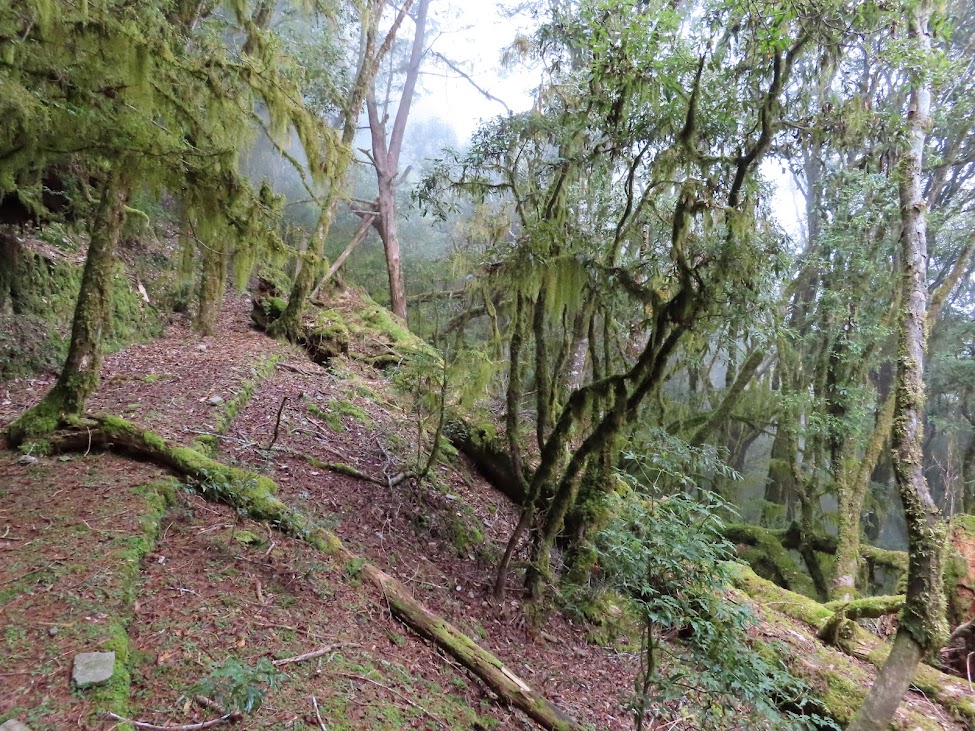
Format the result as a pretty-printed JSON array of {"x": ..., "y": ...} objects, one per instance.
[
  {"x": 326, "y": 337},
  {"x": 266, "y": 309}
]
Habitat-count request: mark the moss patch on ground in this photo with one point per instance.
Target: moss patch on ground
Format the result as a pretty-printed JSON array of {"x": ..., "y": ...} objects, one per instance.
[{"x": 75, "y": 586}]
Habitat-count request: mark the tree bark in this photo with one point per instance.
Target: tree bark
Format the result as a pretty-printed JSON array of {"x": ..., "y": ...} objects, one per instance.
[
  {"x": 385, "y": 159},
  {"x": 82, "y": 368},
  {"x": 922, "y": 626}
]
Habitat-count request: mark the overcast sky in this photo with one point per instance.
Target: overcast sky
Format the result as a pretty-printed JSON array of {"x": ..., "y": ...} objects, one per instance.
[{"x": 473, "y": 35}]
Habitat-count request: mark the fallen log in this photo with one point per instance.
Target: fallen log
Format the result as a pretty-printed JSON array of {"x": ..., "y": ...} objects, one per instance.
[{"x": 254, "y": 496}]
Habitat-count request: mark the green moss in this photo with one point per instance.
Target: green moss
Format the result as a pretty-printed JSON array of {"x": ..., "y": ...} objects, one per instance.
[
  {"x": 346, "y": 408},
  {"x": 464, "y": 535},
  {"x": 42, "y": 293},
  {"x": 795, "y": 605},
  {"x": 235, "y": 405},
  {"x": 335, "y": 410},
  {"x": 248, "y": 538},
  {"x": 115, "y": 695},
  {"x": 327, "y": 336},
  {"x": 38, "y": 421},
  {"x": 769, "y": 558},
  {"x": 881, "y": 557},
  {"x": 329, "y": 417}
]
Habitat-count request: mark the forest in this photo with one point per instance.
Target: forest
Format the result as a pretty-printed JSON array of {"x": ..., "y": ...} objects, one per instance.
[{"x": 650, "y": 405}]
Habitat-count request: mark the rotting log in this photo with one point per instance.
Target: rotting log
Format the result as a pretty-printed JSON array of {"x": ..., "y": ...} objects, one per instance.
[{"x": 254, "y": 496}]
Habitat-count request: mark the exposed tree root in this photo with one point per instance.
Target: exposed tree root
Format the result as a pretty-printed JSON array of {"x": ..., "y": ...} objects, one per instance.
[
  {"x": 840, "y": 628},
  {"x": 254, "y": 496}
]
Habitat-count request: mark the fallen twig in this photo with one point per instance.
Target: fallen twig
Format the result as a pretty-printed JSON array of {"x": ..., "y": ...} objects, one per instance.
[
  {"x": 307, "y": 656},
  {"x": 321, "y": 723},
  {"x": 295, "y": 369},
  {"x": 245, "y": 442},
  {"x": 188, "y": 727},
  {"x": 338, "y": 467},
  {"x": 277, "y": 423},
  {"x": 391, "y": 481}
]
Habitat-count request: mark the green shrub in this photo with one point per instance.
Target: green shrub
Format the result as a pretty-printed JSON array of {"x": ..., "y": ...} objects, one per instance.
[
  {"x": 239, "y": 688},
  {"x": 665, "y": 552}
]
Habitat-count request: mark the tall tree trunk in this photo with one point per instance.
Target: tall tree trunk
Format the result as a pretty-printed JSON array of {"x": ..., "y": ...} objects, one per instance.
[
  {"x": 922, "y": 626},
  {"x": 385, "y": 158},
  {"x": 213, "y": 280},
  {"x": 289, "y": 325},
  {"x": 82, "y": 368},
  {"x": 781, "y": 490},
  {"x": 851, "y": 493}
]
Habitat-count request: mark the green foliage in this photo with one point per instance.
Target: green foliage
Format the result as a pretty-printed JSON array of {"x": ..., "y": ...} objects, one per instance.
[
  {"x": 239, "y": 688},
  {"x": 665, "y": 552},
  {"x": 424, "y": 376}
]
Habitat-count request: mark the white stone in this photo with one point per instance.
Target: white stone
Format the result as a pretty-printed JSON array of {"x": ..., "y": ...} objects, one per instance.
[
  {"x": 93, "y": 668},
  {"x": 13, "y": 725}
]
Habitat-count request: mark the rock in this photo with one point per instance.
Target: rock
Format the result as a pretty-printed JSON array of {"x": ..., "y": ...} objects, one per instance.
[
  {"x": 214, "y": 401},
  {"x": 201, "y": 347},
  {"x": 53, "y": 631},
  {"x": 13, "y": 725},
  {"x": 27, "y": 460},
  {"x": 93, "y": 668}
]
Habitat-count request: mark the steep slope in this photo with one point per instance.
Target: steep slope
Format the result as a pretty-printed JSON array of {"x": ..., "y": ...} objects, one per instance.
[{"x": 192, "y": 596}]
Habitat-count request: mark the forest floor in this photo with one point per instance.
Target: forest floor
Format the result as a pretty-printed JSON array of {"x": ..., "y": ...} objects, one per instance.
[{"x": 98, "y": 551}]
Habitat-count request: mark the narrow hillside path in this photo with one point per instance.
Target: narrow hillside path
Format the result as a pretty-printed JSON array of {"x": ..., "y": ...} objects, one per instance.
[{"x": 87, "y": 548}]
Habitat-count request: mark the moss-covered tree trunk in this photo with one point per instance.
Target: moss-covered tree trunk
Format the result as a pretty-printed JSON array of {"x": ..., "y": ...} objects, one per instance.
[
  {"x": 213, "y": 280},
  {"x": 922, "y": 628},
  {"x": 780, "y": 487},
  {"x": 854, "y": 482},
  {"x": 82, "y": 368}
]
